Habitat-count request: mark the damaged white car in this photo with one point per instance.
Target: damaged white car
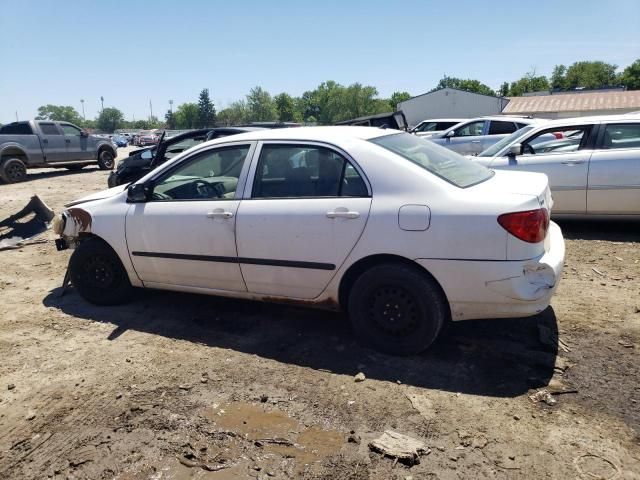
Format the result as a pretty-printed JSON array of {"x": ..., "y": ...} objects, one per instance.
[{"x": 399, "y": 232}]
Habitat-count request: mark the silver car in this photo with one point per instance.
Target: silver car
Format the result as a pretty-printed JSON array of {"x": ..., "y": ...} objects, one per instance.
[
  {"x": 477, "y": 134},
  {"x": 593, "y": 163}
]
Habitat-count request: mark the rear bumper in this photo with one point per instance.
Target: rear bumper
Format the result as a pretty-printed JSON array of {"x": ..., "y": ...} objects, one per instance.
[{"x": 501, "y": 289}]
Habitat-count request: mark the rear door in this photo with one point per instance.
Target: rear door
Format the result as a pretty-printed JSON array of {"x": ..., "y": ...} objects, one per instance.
[
  {"x": 53, "y": 142},
  {"x": 76, "y": 144},
  {"x": 498, "y": 129},
  {"x": 563, "y": 154},
  {"x": 304, "y": 209},
  {"x": 614, "y": 173}
]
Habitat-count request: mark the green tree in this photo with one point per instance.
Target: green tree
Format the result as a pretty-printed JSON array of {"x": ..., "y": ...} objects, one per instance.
[
  {"x": 504, "y": 89},
  {"x": 397, "y": 97},
  {"x": 110, "y": 119},
  {"x": 286, "y": 108},
  {"x": 187, "y": 115},
  {"x": 630, "y": 77},
  {"x": 170, "y": 120},
  {"x": 206, "y": 110},
  {"x": 261, "y": 106},
  {"x": 59, "y": 113},
  {"x": 558, "y": 79},
  {"x": 235, "y": 114},
  {"x": 528, "y": 83},
  {"x": 584, "y": 75},
  {"x": 468, "y": 85}
]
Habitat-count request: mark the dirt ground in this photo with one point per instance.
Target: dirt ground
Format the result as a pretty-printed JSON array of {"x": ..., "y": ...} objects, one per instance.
[{"x": 177, "y": 386}]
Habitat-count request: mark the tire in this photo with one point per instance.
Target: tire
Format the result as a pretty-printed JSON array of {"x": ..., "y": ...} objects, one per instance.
[
  {"x": 75, "y": 168},
  {"x": 106, "y": 159},
  {"x": 397, "y": 309},
  {"x": 98, "y": 275},
  {"x": 13, "y": 170}
]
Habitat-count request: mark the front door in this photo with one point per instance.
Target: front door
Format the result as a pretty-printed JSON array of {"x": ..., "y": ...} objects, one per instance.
[
  {"x": 563, "y": 154},
  {"x": 52, "y": 141},
  {"x": 307, "y": 208},
  {"x": 76, "y": 144},
  {"x": 185, "y": 235},
  {"x": 467, "y": 139},
  {"x": 614, "y": 173}
]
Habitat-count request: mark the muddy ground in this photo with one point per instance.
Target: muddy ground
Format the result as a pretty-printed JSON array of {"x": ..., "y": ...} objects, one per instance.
[{"x": 176, "y": 386}]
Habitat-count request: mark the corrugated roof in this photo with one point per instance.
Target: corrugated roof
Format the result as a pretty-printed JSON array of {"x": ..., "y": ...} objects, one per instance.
[{"x": 574, "y": 102}]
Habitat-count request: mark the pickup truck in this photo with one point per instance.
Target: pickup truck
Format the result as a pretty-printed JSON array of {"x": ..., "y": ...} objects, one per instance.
[{"x": 47, "y": 144}]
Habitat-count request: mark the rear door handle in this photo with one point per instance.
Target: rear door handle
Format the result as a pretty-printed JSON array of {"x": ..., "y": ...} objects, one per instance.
[
  {"x": 219, "y": 213},
  {"x": 67, "y": 140},
  {"x": 573, "y": 162},
  {"x": 340, "y": 213},
  {"x": 44, "y": 140},
  {"x": 475, "y": 141}
]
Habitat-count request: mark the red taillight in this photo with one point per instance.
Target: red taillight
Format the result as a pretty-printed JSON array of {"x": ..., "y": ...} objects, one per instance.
[{"x": 530, "y": 226}]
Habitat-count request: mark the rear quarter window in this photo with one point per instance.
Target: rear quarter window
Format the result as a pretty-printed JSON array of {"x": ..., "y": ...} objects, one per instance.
[{"x": 16, "y": 129}]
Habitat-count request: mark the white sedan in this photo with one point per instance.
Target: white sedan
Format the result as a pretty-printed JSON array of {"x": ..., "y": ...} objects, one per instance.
[{"x": 401, "y": 233}]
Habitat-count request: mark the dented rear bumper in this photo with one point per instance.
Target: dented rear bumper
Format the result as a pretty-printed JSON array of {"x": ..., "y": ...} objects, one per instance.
[{"x": 501, "y": 289}]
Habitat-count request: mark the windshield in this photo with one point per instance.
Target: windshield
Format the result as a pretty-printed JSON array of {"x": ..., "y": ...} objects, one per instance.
[
  {"x": 496, "y": 147},
  {"x": 438, "y": 160}
]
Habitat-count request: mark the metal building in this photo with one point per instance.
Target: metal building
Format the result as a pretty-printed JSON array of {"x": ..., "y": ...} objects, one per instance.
[
  {"x": 450, "y": 103},
  {"x": 574, "y": 104}
]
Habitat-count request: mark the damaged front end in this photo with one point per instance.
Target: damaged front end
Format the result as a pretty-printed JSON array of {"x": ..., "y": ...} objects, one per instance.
[{"x": 70, "y": 224}]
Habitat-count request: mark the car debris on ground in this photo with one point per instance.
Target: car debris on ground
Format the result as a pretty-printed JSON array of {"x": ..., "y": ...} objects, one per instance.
[
  {"x": 400, "y": 447},
  {"x": 14, "y": 233}
]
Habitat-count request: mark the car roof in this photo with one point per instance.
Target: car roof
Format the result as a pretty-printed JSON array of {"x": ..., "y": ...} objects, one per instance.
[
  {"x": 321, "y": 134},
  {"x": 596, "y": 118},
  {"x": 443, "y": 120}
]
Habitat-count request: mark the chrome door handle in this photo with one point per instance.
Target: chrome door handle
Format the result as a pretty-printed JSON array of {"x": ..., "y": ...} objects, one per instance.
[
  {"x": 475, "y": 141},
  {"x": 573, "y": 162},
  {"x": 343, "y": 214},
  {"x": 219, "y": 214}
]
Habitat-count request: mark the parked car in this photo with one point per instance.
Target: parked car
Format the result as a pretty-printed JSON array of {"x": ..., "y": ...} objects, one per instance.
[
  {"x": 140, "y": 162},
  {"x": 120, "y": 140},
  {"x": 427, "y": 128},
  {"x": 147, "y": 138},
  {"x": 395, "y": 120},
  {"x": 593, "y": 164},
  {"x": 477, "y": 134},
  {"x": 46, "y": 144},
  {"x": 399, "y": 232}
]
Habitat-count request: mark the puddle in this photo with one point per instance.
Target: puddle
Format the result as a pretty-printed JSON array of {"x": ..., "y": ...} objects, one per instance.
[
  {"x": 174, "y": 470},
  {"x": 257, "y": 422}
]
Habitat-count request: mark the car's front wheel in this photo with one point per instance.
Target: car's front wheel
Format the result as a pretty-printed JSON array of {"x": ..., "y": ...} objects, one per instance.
[
  {"x": 98, "y": 275},
  {"x": 397, "y": 309}
]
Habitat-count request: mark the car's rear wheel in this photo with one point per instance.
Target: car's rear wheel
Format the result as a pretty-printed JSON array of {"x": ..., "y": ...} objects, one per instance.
[
  {"x": 13, "y": 170},
  {"x": 397, "y": 309},
  {"x": 98, "y": 275},
  {"x": 106, "y": 159}
]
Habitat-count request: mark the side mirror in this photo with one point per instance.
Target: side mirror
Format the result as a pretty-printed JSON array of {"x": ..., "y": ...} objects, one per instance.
[
  {"x": 515, "y": 149},
  {"x": 450, "y": 134},
  {"x": 84, "y": 133},
  {"x": 138, "y": 193}
]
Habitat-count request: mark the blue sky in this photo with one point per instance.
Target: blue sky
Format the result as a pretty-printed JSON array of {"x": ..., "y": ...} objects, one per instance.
[{"x": 130, "y": 52}]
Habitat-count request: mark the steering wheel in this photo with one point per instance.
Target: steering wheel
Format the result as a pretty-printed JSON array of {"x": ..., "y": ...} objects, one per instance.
[
  {"x": 527, "y": 148},
  {"x": 205, "y": 189}
]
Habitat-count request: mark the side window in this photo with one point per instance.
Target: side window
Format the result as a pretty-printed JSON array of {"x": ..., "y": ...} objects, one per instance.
[
  {"x": 557, "y": 140},
  {"x": 70, "y": 129},
  {"x": 498, "y": 128},
  {"x": 49, "y": 129},
  {"x": 294, "y": 171},
  {"x": 621, "y": 136},
  {"x": 209, "y": 175},
  {"x": 16, "y": 129},
  {"x": 470, "y": 129}
]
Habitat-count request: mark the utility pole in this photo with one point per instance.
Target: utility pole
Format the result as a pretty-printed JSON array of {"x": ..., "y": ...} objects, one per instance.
[
  {"x": 102, "y": 101},
  {"x": 16, "y": 115},
  {"x": 171, "y": 106},
  {"x": 83, "y": 116},
  {"x": 150, "y": 110}
]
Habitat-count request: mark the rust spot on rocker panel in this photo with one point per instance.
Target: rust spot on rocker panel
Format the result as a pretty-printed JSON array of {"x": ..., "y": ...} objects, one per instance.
[{"x": 327, "y": 304}]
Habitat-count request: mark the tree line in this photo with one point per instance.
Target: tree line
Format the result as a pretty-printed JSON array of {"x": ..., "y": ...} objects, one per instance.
[{"x": 331, "y": 102}]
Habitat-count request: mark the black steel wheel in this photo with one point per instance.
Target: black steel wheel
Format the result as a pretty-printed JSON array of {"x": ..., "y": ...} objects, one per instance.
[
  {"x": 13, "y": 170},
  {"x": 397, "y": 309},
  {"x": 98, "y": 275}
]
